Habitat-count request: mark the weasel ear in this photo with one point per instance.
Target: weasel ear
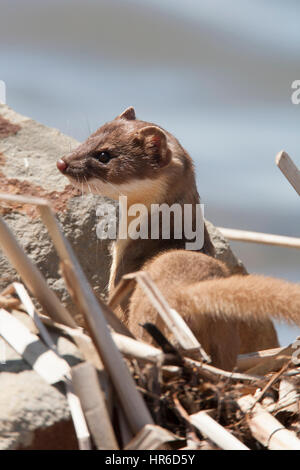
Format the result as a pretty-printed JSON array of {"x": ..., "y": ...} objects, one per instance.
[
  {"x": 128, "y": 114},
  {"x": 155, "y": 143}
]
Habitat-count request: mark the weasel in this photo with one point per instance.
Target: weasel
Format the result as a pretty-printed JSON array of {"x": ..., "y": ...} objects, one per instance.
[{"x": 229, "y": 314}]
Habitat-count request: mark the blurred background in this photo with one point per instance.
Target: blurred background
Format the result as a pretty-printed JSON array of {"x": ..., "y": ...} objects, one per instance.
[{"x": 216, "y": 73}]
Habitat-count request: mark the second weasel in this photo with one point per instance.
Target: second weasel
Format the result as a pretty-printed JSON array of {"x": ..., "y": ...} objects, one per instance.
[{"x": 229, "y": 314}]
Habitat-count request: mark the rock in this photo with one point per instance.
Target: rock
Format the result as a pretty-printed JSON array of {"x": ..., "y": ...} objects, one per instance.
[
  {"x": 223, "y": 250},
  {"x": 34, "y": 414}
]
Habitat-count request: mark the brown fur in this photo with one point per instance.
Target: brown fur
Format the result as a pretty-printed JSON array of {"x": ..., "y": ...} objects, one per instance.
[
  {"x": 136, "y": 155},
  {"x": 229, "y": 314}
]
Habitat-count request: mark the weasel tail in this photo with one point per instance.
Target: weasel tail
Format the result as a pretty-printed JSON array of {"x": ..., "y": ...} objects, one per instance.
[
  {"x": 247, "y": 298},
  {"x": 233, "y": 312},
  {"x": 229, "y": 314}
]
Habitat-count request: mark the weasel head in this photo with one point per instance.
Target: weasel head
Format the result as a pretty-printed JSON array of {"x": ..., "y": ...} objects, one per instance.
[{"x": 124, "y": 157}]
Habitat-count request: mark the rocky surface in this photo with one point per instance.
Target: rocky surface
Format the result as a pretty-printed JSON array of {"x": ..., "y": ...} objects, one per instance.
[
  {"x": 223, "y": 250},
  {"x": 34, "y": 414}
]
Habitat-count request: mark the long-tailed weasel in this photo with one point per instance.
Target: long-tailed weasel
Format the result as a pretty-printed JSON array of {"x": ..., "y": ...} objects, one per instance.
[{"x": 229, "y": 314}]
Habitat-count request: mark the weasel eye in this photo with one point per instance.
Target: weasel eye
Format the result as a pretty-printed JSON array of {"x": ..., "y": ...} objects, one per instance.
[{"x": 102, "y": 157}]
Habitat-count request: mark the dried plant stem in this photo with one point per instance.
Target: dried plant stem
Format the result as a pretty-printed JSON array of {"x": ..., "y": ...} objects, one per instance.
[
  {"x": 289, "y": 169},
  {"x": 267, "y": 429},
  {"x": 262, "y": 238}
]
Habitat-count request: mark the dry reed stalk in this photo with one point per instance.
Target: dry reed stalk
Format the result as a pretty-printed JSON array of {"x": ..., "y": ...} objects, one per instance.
[
  {"x": 289, "y": 169},
  {"x": 257, "y": 237},
  {"x": 265, "y": 428},
  {"x": 92, "y": 398},
  {"x": 215, "y": 432}
]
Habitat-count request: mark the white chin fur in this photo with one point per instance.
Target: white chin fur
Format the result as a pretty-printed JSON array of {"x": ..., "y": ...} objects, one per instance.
[
  {"x": 96, "y": 186},
  {"x": 144, "y": 191}
]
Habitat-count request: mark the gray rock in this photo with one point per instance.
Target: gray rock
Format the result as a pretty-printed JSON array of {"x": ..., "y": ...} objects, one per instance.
[
  {"x": 34, "y": 414},
  {"x": 223, "y": 250}
]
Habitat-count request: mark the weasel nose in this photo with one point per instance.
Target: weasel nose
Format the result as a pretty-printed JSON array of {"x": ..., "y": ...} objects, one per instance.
[{"x": 61, "y": 165}]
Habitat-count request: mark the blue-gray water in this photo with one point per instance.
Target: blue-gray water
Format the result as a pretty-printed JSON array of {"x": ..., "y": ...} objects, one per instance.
[{"x": 220, "y": 82}]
